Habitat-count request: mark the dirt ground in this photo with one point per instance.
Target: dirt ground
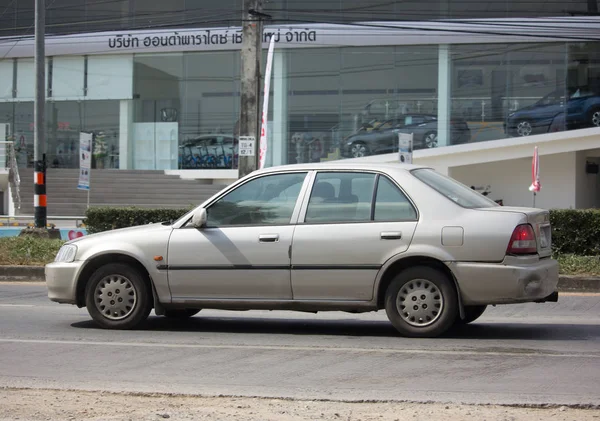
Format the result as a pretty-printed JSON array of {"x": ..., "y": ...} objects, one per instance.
[{"x": 27, "y": 404}]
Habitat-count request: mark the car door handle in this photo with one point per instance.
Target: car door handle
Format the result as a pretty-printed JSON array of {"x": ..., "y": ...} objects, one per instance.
[
  {"x": 268, "y": 238},
  {"x": 391, "y": 235}
]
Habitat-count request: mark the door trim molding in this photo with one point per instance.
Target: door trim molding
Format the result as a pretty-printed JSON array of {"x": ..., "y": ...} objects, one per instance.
[{"x": 268, "y": 267}]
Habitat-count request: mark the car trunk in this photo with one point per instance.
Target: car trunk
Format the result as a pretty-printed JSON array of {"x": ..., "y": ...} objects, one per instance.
[{"x": 539, "y": 220}]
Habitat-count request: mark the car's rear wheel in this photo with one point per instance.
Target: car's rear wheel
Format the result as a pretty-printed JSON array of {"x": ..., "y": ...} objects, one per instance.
[
  {"x": 181, "y": 313},
  {"x": 430, "y": 139},
  {"x": 117, "y": 297},
  {"x": 472, "y": 313},
  {"x": 524, "y": 128},
  {"x": 421, "y": 302},
  {"x": 358, "y": 150}
]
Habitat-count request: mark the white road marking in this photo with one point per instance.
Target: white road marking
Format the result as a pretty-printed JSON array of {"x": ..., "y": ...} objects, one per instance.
[
  {"x": 524, "y": 353},
  {"x": 17, "y": 305}
]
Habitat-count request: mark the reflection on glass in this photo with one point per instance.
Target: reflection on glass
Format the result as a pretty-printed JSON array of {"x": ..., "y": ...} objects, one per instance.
[
  {"x": 351, "y": 102},
  {"x": 268, "y": 200},
  {"x": 341, "y": 197},
  {"x": 194, "y": 96}
]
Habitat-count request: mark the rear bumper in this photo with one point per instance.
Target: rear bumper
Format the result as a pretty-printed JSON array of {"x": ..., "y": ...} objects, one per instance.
[
  {"x": 61, "y": 280},
  {"x": 516, "y": 280}
]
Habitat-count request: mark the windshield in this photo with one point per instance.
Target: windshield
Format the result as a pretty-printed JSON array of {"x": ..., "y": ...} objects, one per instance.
[{"x": 453, "y": 190}]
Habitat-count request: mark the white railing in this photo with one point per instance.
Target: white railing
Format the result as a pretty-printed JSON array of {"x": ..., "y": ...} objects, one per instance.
[{"x": 8, "y": 161}]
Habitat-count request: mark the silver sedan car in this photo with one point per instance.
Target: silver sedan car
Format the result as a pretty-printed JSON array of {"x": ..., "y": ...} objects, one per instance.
[{"x": 317, "y": 237}]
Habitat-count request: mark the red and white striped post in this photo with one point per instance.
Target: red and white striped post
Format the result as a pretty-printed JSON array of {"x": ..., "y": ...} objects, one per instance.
[{"x": 40, "y": 212}]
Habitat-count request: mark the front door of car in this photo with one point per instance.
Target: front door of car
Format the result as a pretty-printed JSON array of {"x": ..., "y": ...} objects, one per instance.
[
  {"x": 349, "y": 226},
  {"x": 243, "y": 250},
  {"x": 548, "y": 107}
]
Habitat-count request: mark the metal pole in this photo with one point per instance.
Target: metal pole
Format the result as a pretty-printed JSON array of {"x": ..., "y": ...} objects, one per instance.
[
  {"x": 250, "y": 81},
  {"x": 39, "y": 151}
]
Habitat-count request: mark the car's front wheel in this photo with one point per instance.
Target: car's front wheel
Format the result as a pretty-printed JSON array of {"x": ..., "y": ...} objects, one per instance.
[
  {"x": 421, "y": 302},
  {"x": 430, "y": 140},
  {"x": 117, "y": 297},
  {"x": 595, "y": 117},
  {"x": 358, "y": 150},
  {"x": 472, "y": 313},
  {"x": 524, "y": 128}
]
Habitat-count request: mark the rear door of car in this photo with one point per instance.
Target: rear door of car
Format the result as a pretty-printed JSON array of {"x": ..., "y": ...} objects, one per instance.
[{"x": 350, "y": 224}]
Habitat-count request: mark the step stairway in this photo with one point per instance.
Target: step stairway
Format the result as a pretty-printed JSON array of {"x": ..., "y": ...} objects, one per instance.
[{"x": 113, "y": 188}]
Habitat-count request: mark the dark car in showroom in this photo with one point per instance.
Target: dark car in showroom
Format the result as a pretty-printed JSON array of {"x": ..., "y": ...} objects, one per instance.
[
  {"x": 582, "y": 110},
  {"x": 381, "y": 137}
]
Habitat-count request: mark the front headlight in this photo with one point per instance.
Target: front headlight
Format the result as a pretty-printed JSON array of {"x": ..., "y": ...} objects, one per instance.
[{"x": 66, "y": 254}]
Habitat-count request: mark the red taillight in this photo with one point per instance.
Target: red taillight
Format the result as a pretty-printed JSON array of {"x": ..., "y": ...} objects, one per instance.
[{"x": 522, "y": 241}]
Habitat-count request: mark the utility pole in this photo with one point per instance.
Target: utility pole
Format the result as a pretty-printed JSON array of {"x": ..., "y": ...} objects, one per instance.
[
  {"x": 39, "y": 149},
  {"x": 250, "y": 85}
]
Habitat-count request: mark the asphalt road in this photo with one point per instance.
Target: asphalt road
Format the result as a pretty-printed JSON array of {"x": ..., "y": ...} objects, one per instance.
[{"x": 517, "y": 354}]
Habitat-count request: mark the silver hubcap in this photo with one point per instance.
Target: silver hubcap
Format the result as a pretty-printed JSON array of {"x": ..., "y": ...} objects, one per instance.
[
  {"x": 115, "y": 297},
  {"x": 524, "y": 128},
  {"x": 359, "y": 151},
  {"x": 420, "y": 302},
  {"x": 431, "y": 140},
  {"x": 596, "y": 118}
]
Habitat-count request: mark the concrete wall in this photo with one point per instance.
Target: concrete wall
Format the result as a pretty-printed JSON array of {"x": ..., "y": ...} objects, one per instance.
[{"x": 510, "y": 180}]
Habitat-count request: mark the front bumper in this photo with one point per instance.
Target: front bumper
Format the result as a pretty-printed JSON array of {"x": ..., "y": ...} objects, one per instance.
[
  {"x": 61, "y": 281},
  {"x": 516, "y": 280}
]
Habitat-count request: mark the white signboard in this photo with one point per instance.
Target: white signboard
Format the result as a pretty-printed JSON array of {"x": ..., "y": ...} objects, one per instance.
[
  {"x": 85, "y": 160},
  {"x": 405, "y": 147},
  {"x": 247, "y": 146}
]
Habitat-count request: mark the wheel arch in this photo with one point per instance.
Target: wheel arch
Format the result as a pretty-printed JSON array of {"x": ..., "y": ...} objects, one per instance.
[
  {"x": 394, "y": 267},
  {"x": 100, "y": 260}
]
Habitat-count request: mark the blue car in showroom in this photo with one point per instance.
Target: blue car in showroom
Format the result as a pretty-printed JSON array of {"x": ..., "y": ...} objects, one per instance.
[{"x": 583, "y": 110}]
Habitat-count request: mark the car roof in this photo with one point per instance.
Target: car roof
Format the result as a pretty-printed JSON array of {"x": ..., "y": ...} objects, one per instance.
[{"x": 342, "y": 165}]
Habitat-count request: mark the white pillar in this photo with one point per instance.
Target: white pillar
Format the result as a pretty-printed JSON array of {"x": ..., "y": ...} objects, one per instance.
[
  {"x": 279, "y": 140},
  {"x": 444, "y": 94},
  {"x": 125, "y": 134},
  {"x": 9, "y": 203}
]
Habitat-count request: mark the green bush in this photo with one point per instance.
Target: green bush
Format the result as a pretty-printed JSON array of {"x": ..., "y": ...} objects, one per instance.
[
  {"x": 28, "y": 250},
  {"x": 579, "y": 265},
  {"x": 105, "y": 218},
  {"x": 576, "y": 231}
]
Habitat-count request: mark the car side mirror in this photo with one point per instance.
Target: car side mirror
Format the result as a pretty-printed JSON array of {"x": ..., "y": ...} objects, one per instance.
[{"x": 199, "y": 218}]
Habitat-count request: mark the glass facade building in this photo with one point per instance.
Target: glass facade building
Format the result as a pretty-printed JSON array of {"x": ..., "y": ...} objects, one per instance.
[{"x": 159, "y": 84}]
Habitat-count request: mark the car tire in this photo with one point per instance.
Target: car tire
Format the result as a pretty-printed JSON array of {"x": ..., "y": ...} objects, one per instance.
[
  {"x": 430, "y": 140},
  {"x": 431, "y": 293},
  {"x": 472, "y": 313},
  {"x": 523, "y": 128},
  {"x": 359, "y": 150},
  {"x": 594, "y": 117},
  {"x": 117, "y": 297},
  {"x": 181, "y": 314}
]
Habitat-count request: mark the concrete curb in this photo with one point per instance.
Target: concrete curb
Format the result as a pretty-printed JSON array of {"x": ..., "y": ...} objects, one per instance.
[
  {"x": 22, "y": 274},
  {"x": 566, "y": 283},
  {"x": 574, "y": 283}
]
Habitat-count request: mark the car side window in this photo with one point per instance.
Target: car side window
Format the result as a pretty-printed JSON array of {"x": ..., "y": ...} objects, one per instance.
[
  {"x": 340, "y": 197},
  {"x": 391, "y": 204},
  {"x": 267, "y": 200}
]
